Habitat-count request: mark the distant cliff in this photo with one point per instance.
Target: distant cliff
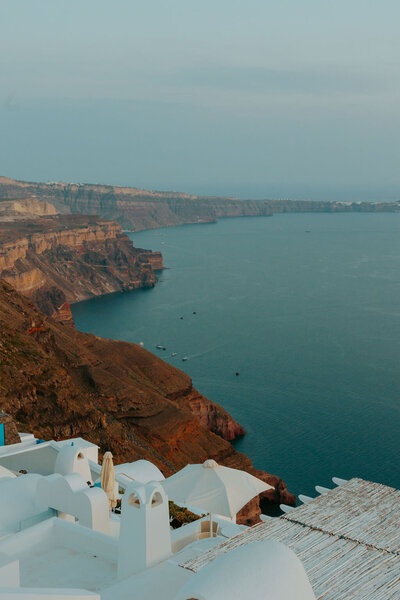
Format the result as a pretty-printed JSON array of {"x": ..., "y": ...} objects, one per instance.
[
  {"x": 133, "y": 208},
  {"x": 310, "y": 206},
  {"x": 136, "y": 209},
  {"x": 59, "y": 382},
  {"x": 60, "y": 259}
]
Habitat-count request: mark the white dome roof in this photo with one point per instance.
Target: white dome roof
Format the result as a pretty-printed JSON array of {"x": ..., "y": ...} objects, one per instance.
[
  {"x": 140, "y": 470},
  {"x": 265, "y": 570}
]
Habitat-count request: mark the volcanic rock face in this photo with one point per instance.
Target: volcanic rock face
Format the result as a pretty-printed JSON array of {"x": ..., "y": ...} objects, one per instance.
[
  {"x": 59, "y": 382},
  {"x": 133, "y": 208},
  {"x": 66, "y": 258},
  {"x": 137, "y": 209},
  {"x": 11, "y": 435},
  {"x": 25, "y": 208},
  {"x": 215, "y": 418}
]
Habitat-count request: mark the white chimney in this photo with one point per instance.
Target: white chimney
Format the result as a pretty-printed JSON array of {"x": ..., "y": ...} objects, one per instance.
[{"x": 145, "y": 538}]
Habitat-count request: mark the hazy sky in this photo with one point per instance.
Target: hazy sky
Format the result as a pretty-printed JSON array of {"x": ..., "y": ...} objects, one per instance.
[{"x": 221, "y": 95}]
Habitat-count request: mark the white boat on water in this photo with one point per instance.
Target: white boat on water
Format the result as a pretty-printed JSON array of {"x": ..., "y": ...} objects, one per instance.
[
  {"x": 184, "y": 358},
  {"x": 174, "y": 353}
]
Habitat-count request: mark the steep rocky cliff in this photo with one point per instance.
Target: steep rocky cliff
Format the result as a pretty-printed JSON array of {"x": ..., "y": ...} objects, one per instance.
[
  {"x": 137, "y": 209},
  {"x": 59, "y": 382},
  {"x": 133, "y": 208},
  {"x": 59, "y": 259},
  {"x": 24, "y": 209}
]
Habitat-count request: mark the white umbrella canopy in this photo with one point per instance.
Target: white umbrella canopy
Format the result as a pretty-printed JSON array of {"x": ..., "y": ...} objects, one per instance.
[
  {"x": 107, "y": 478},
  {"x": 213, "y": 488}
]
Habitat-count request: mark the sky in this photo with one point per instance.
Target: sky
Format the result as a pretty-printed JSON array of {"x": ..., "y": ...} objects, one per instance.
[{"x": 253, "y": 98}]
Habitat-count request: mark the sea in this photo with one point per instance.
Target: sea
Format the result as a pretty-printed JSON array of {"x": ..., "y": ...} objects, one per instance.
[{"x": 292, "y": 324}]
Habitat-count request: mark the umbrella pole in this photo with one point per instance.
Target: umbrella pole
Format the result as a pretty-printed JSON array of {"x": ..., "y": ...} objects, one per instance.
[{"x": 211, "y": 523}]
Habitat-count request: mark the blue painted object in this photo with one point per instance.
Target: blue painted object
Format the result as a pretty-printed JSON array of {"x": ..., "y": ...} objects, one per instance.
[
  {"x": 2, "y": 438},
  {"x": 97, "y": 484},
  {"x": 40, "y": 441}
]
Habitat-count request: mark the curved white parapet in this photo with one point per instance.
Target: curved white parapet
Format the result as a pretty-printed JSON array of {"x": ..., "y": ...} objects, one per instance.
[
  {"x": 286, "y": 509},
  {"x": 72, "y": 459},
  {"x": 304, "y": 499},
  {"x": 339, "y": 481},
  {"x": 322, "y": 490},
  {"x": 268, "y": 568},
  {"x": 70, "y": 495}
]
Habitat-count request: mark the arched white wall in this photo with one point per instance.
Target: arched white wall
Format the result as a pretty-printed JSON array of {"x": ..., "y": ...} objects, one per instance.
[
  {"x": 70, "y": 494},
  {"x": 72, "y": 459}
]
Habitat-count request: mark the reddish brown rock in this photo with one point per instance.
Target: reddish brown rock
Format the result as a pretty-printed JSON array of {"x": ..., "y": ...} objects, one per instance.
[
  {"x": 59, "y": 382},
  {"x": 11, "y": 435},
  {"x": 60, "y": 259},
  {"x": 154, "y": 258},
  {"x": 64, "y": 314},
  {"x": 215, "y": 418}
]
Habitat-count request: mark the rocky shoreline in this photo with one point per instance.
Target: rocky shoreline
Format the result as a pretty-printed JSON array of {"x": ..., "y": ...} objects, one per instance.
[
  {"x": 59, "y": 382},
  {"x": 137, "y": 209},
  {"x": 60, "y": 259}
]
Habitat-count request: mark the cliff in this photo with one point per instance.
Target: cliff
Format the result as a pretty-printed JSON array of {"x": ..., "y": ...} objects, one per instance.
[
  {"x": 133, "y": 208},
  {"x": 24, "y": 209},
  {"x": 215, "y": 418},
  {"x": 137, "y": 209},
  {"x": 301, "y": 206},
  {"x": 59, "y": 382},
  {"x": 60, "y": 259}
]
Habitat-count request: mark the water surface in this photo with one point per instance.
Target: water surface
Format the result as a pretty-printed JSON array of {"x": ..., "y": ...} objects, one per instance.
[{"x": 307, "y": 308}]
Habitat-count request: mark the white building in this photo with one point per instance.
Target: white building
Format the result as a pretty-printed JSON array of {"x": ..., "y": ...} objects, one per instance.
[{"x": 58, "y": 539}]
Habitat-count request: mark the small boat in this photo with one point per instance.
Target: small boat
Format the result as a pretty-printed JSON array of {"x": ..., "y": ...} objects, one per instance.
[
  {"x": 237, "y": 373},
  {"x": 194, "y": 312},
  {"x": 164, "y": 348},
  {"x": 174, "y": 353},
  {"x": 159, "y": 347},
  {"x": 141, "y": 344},
  {"x": 184, "y": 358},
  {"x": 181, "y": 317}
]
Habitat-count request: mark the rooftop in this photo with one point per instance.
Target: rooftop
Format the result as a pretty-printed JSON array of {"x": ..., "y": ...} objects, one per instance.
[{"x": 348, "y": 540}]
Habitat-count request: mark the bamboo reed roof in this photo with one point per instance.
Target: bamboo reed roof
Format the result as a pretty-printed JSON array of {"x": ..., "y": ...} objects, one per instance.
[{"x": 347, "y": 539}]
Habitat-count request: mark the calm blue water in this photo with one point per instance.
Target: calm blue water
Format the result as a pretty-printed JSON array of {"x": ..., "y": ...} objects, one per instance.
[{"x": 307, "y": 308}]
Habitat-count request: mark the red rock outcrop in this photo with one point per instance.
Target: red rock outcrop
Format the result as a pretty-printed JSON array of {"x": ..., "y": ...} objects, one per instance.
[
  {"x": 59, "y": 382},
  {"x": 154, "y": 258},
  {"x": 214, "y": 417},
  {"x": 66, "y": 258}
]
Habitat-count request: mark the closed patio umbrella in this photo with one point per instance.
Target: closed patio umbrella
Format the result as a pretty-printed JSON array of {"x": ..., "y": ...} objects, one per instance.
[
  {"x": 107, "y": 478},
  {"x": 213, "y": 488}
]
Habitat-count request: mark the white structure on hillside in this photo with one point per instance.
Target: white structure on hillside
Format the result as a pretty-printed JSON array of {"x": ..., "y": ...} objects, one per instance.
[
  {"x": 145, "y": 518},
  {"x": 59, "y": 540},
  {"x": 73, "y": 459}
]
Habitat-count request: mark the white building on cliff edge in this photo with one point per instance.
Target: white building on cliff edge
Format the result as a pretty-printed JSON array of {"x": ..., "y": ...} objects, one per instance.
[{"x": 58, "y": 539}]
